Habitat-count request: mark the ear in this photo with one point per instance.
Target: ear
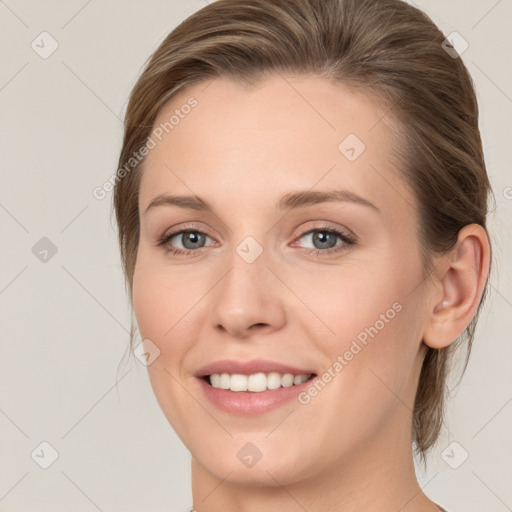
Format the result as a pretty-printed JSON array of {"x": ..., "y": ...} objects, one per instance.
[{"x": 460, "y": 280}]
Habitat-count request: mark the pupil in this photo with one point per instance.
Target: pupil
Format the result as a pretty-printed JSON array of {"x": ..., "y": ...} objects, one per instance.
[
  {"x": 197, "y": 236},
  {"x": 322, "y": 238}
]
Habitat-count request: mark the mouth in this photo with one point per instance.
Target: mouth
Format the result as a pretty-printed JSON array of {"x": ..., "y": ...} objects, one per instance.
[
  {"x": 249, "y": 388},
  {"x": 254, "y": 394},
  {"x": 256, "y": 382}
]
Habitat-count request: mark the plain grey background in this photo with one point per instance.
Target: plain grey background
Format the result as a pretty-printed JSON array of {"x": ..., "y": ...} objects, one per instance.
[{"x": 64, "y": 315}]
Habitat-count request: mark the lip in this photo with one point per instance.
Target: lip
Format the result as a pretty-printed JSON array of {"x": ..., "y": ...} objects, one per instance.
[
  {"x": 249, "y": 403},
  {"x": 249, "y": 367}
]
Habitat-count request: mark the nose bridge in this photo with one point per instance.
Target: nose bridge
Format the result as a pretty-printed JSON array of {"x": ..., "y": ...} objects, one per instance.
[
  {"x": 245, "y": 295},
  {"x": 246, "y": 281},
  {"x": 250, "y": 250},
  {"x": 250, "y": 241}
]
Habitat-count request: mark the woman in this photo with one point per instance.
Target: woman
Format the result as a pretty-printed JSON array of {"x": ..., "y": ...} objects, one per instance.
[{"x": 301, "y": 202}]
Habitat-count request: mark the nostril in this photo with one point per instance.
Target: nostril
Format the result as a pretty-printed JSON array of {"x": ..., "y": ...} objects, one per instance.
[{"x": 259, "y": 325}]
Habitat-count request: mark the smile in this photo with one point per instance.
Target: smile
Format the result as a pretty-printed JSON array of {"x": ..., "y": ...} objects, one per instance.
[{"x": 257, "y": 382}]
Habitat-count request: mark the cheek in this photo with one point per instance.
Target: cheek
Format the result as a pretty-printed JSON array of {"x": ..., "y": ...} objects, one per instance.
[
  {"x": 368, "y": 371},
  {"x": 374, "y": 321},
  {"x": 350, "y": 299},
  {"x": 162, "y": 300},
  {"x": 373, "y": 336},
  {"x": 163, "y": 304}
]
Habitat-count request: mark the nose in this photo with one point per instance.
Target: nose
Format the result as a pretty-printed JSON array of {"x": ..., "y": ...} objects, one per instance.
[{"x": 248, "y": 300}]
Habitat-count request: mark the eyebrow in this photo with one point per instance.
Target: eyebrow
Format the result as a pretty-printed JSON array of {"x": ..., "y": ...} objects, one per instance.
[{"x": 292, "y": 200}]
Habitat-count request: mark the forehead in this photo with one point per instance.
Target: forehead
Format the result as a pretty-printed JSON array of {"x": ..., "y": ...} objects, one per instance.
[{"x": 256, "y": 143}]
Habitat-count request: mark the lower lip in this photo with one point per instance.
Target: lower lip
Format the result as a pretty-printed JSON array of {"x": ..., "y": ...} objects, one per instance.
[{"x": 249, "y": 403}]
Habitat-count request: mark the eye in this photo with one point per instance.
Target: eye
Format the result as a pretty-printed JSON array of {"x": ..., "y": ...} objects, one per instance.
[
  {"x": 191, "y": 240},
  {"x": 325, "y": 239}
]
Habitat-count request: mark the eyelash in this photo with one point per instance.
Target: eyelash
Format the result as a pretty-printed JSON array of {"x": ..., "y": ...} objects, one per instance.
[{"x": 348, "y": 241}]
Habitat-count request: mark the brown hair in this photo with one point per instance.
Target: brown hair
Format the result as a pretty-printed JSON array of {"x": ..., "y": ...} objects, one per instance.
[{"x": 385, "y": 48}]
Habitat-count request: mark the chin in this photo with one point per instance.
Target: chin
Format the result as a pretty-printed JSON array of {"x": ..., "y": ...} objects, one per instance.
[{"x": 266, "y": 466}]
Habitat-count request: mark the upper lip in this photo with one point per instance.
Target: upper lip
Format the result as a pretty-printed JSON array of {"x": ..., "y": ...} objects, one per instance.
[{"x": 248, "y": 368}]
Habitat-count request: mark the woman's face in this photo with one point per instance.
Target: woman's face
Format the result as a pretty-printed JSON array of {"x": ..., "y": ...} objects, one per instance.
[{"x": 267, "y": 278}]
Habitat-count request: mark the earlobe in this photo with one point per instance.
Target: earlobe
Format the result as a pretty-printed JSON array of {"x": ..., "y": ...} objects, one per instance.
[{"x": 461, "y": 279}]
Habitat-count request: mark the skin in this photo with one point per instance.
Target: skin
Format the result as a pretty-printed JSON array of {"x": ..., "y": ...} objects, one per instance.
[{"x": 349, "y": 449}]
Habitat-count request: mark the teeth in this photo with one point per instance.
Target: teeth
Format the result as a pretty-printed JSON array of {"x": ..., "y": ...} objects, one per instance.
[
  {"x": 273, "y": 380},
  {"x": 256, "y": 382}
]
